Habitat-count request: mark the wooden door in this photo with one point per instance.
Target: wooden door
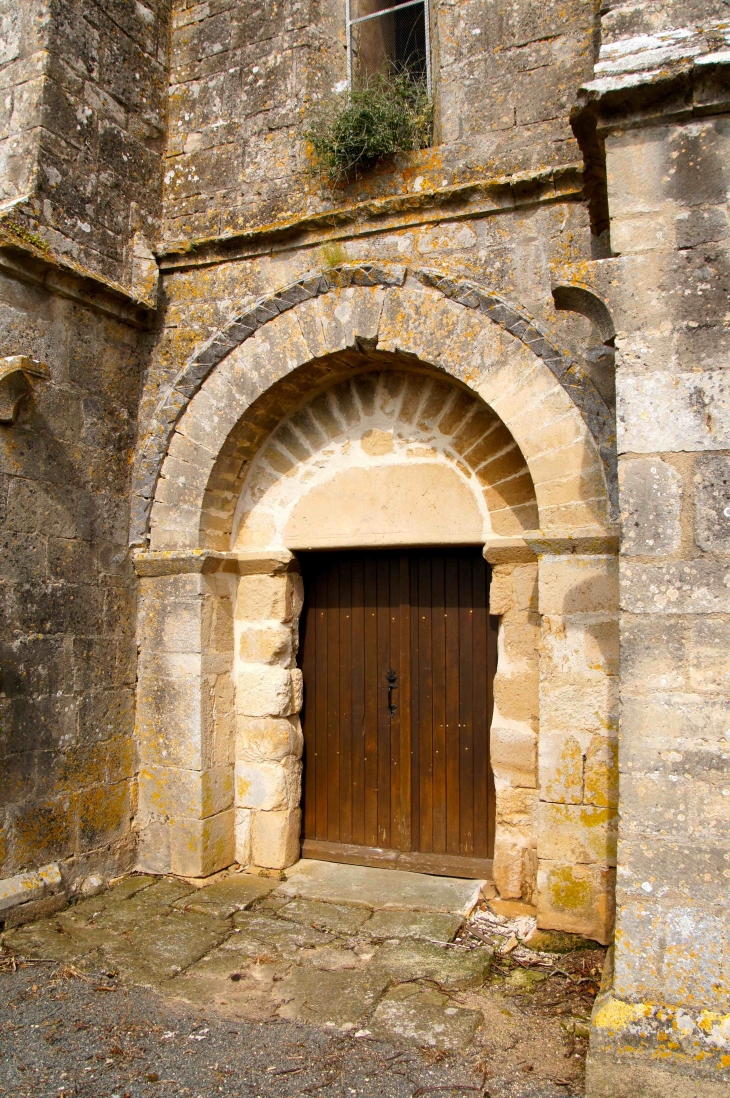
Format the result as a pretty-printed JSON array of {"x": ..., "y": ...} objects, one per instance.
[{"x": 398, "y": 652}]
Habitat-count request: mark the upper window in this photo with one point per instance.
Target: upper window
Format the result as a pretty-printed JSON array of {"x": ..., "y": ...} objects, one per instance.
[{"x": 386, "y": 38}]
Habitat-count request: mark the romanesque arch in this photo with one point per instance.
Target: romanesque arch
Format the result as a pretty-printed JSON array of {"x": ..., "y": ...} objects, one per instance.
[
  {"x": 451, "y": 324},
  {"x": 524, "y": 435}
]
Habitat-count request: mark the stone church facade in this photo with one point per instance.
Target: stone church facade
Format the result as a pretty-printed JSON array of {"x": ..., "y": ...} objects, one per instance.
[{"x": 515, "y": 339}]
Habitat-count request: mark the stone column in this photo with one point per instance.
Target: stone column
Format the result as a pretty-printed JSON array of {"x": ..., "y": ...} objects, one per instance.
[
  {"x": 268, "y": 733},
  {"x": 577, "y": 753}
]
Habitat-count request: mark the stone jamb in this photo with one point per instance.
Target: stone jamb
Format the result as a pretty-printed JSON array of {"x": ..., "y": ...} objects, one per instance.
[
  {"x": 515, "y": 719},
  {"x": 186, "y": 713}
]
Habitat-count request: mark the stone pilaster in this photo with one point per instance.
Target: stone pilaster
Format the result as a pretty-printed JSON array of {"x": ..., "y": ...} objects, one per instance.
[{"x": 577, "y": 754}]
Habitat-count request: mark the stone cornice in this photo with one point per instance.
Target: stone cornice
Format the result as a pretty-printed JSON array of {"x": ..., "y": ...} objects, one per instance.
[
  {"x": 476, "y": 199},
  {"x": 686, "y": 77},
  {"x": 24, "y": 259}
]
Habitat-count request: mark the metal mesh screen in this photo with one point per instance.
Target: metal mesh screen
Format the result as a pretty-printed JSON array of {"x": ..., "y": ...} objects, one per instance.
[{"x": 386, "y": 37}]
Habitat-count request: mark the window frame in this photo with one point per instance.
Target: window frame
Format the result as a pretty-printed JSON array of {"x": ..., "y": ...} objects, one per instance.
[{"x": 350, "y": 23}]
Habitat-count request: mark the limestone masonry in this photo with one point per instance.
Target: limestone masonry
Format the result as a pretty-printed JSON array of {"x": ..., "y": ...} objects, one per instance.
[{"x": 213, "y": 360}]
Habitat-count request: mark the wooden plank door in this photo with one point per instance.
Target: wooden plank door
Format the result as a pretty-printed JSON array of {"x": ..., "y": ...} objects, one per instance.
[{"x": 398, "y": 653}]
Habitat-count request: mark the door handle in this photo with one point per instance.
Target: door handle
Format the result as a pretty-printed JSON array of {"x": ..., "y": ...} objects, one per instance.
[{"x": 392, "y": 679}]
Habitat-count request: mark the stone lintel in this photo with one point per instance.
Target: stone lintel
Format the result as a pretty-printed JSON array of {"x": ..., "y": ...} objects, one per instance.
[
  {"x": 585, "y": 541},
  {"x": 173, "y": 562}
]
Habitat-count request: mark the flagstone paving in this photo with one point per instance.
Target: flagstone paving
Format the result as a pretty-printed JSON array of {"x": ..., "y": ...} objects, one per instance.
[
  {"x": 256, "y": 949},
  {"x": 276, "y": 949}
]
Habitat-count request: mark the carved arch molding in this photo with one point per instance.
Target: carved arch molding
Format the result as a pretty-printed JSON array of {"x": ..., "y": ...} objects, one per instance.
[{"x": 598, "y": 418}]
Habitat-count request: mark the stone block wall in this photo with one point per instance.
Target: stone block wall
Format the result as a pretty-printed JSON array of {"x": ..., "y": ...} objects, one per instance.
[
  {"x": 67, "y": 600},
  {"x": 671, "y": 217},
  {"x": 84, "y": 102},
  {"x": 242, "y": 76},
  {"x": 185, "y": 717},
  {"x": 246, "y": 79},
  {"x": 24, "y": 33},
  {"x": 663, "y": 1020}
]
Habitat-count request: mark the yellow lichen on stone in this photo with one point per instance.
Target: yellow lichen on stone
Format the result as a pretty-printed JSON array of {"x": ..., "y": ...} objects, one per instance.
[{"x": 615, "y": 1015}]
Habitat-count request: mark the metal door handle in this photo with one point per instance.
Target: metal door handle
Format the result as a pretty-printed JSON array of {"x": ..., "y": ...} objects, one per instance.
[{"x": 392, "y": 685}]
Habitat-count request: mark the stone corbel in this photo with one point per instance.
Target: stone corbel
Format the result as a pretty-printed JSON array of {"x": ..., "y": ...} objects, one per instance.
[
  {"x": 15, "y": 374},
  {"x": 173, "y": 562},
  {"x": 508, "y": 551}
]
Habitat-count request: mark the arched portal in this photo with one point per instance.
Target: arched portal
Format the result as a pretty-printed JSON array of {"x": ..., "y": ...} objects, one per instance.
[
  {"x": 397, "y": 456},
  {"x": 326, "y": 404}
]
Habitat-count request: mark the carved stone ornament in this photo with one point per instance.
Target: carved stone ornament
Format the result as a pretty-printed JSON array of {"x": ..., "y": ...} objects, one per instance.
[{"x": 15, "y": 374}]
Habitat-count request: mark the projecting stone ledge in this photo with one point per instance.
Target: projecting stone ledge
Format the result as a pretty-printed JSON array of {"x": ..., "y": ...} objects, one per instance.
[{"x": 28, "y": 896}]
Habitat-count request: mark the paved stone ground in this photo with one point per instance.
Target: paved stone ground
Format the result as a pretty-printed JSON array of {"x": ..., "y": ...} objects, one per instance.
[{"x": 253, "y": 987}]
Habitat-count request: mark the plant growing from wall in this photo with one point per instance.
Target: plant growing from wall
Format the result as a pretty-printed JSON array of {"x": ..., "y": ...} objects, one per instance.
[{"x": 388, "y": 114}]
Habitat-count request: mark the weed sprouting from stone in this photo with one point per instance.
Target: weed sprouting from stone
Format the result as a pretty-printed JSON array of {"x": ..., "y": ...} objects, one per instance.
[{"x": 388, "y": 114}]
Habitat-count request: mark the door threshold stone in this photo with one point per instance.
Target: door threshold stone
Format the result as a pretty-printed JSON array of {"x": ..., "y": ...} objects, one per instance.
[{"x": 379, "y": 889}]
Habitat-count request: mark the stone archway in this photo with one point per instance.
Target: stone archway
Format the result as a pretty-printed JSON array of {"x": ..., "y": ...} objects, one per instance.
[
  {"x": 557, "y": 828},
  {"x": 392, "y": 455}
]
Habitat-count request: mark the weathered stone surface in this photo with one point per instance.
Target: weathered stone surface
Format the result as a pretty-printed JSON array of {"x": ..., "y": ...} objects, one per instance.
[
  {"x": 450, "y": 968},
  {"x": 335, "y": 997},
  {"x": 275, "y": 838},
  {"x": 712, "y": 512},
  {"x": 128, "y": 906},
  {"x": 268, "y": 691},
  {"x": 553, "y": 941},
  {"x": 268, "y": 738},
  {"x": 578, "y": 899},
  {"x": 34, "y": 909},
  {"x": 380, "y": 888},
  {"x": 424, "y": 1018},
  {"x": 689, "y": 405},
  {"x": 234, "y": 893},
  {"x": 412, "y": 924},
  {"x": 268, "y": 786},
  {"x": 277, "y": 936},
  {"x": 29, "y": 886},
  {"x": 165, "y": 945},
  {"x": 651, "y": 500},
  {"x": 337, "y": 918}
]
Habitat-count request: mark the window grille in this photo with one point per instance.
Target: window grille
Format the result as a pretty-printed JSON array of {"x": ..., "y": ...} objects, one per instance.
[{"x": 385, "y": 37}]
